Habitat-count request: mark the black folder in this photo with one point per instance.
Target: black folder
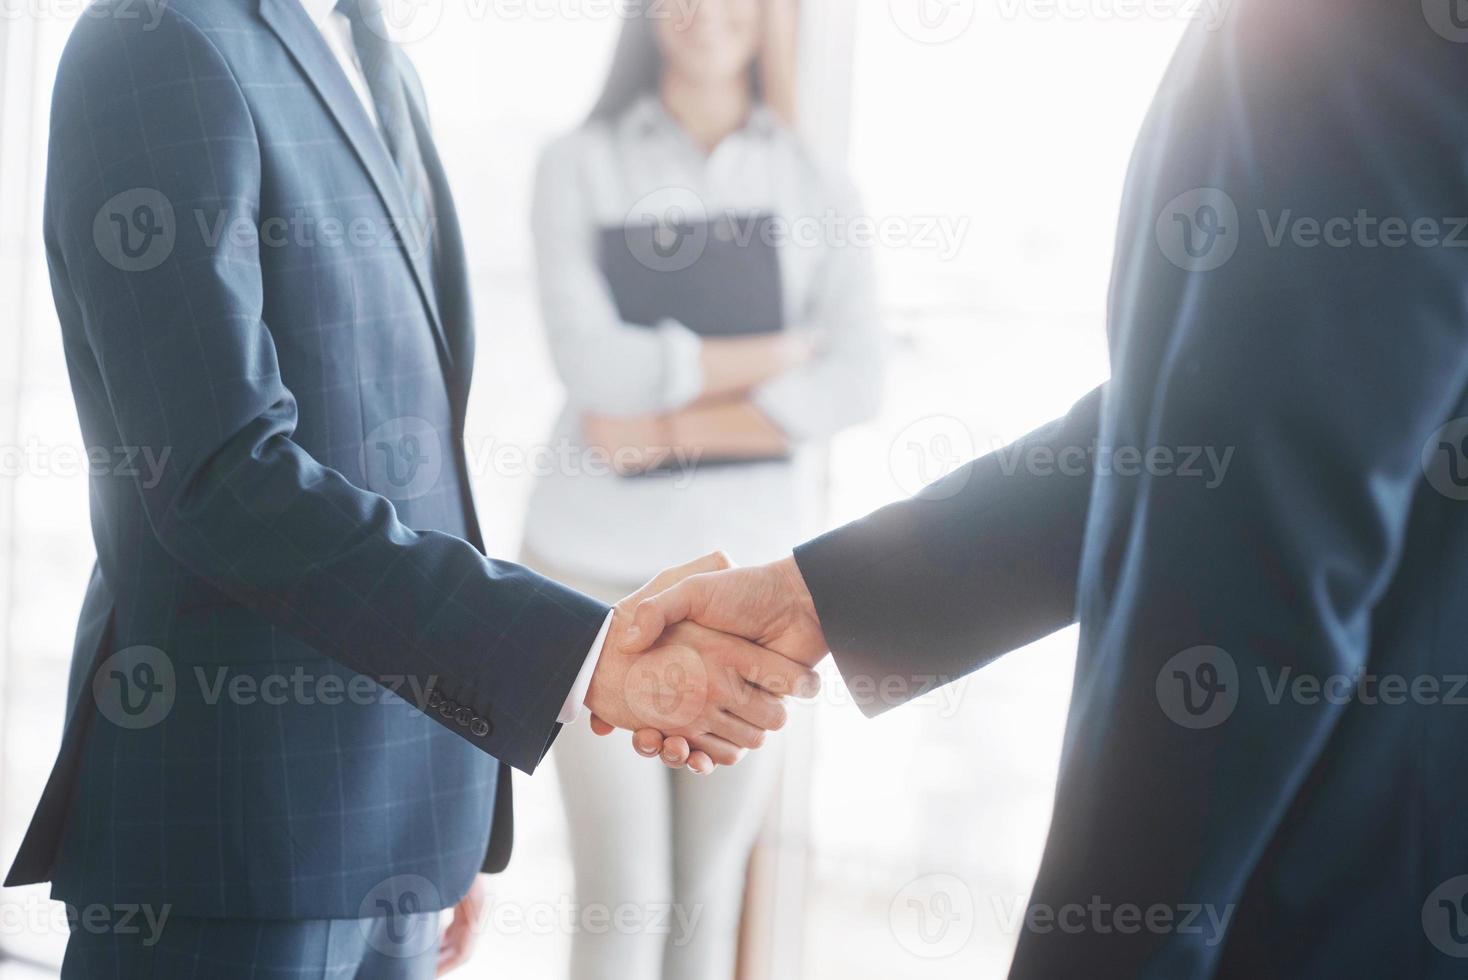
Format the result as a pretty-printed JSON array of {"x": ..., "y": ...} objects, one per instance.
[{"x": 719, "y": 278}]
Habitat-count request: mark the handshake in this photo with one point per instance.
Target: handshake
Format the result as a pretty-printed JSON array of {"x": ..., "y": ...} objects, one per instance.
[{"x": 698, "y": 662}]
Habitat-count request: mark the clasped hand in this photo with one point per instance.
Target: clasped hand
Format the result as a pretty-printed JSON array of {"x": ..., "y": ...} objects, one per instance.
[{"x": 698, "y": 662}]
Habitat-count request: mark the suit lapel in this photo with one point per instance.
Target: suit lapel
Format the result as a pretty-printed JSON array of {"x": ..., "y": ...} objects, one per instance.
[
  {"x": 289, "y": 21},
  {"x": 453, "y": 283}
]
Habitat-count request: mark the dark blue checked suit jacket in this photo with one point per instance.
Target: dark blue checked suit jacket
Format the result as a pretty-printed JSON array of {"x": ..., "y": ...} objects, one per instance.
[
  {"x": 306, "y": 386},
  {"x": 1330, "y": 833}
]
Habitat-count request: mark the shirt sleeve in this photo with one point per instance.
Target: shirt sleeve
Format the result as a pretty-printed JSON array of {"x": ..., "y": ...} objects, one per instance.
[
  {"x": 608, "y": 366},
  {"x": 571, "y": 710}
]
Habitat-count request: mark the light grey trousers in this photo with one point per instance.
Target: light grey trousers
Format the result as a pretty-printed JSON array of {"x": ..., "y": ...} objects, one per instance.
[{"x": 660, "y": 855}]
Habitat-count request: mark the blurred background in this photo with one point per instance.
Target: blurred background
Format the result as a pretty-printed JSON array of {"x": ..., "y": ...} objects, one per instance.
[{"x": 900, "y": 847}]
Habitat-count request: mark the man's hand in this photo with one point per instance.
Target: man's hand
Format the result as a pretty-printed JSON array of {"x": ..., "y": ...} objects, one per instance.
[
  {"x": 716, "y": 561},
  {"x": 767, "y": 604},
  {"x": 718, "y": 692},
  {"x": 462, "y": 934}
]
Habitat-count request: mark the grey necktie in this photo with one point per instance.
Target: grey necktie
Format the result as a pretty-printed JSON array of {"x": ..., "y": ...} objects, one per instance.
[{"x": 389, "y": 95}]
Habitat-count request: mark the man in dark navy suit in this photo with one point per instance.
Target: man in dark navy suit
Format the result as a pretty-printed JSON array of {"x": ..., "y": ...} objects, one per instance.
[
  {"x": 1263, "y": 762},
  {"x": 298, "y": 683}
]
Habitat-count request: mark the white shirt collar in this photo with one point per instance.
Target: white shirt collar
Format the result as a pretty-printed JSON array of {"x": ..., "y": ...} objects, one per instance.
[{"x": 319, "y": 11}]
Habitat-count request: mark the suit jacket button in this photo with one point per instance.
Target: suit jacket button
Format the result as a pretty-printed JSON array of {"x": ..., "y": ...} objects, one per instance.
[
  {"x": 479, "y": 727},
  {"x": 447, "y": 708},
  {"x": 462, "y": 716},
  {"x": 435, "y": 698}
]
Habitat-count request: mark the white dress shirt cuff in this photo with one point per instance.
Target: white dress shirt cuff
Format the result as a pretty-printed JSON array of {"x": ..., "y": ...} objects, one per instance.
[{"x": 571, "y": 710}]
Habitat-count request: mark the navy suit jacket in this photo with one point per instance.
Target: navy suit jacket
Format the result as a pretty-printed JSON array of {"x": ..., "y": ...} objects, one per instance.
[
  {"x": 243, "y": 297},
  {"x": 1322, "y": 820}
]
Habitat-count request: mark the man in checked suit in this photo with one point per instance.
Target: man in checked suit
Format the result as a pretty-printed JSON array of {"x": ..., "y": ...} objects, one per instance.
[
  {"x": 260, "y": 282},
  {"x": 1263, "y": 767}
]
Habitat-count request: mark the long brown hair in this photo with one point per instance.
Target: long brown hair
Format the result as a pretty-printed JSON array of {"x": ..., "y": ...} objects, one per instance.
[{"x": 637, "y": 64}]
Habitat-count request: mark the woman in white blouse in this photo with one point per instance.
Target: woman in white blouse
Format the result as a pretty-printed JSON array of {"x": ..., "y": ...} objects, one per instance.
[{"x": 684, "y": 118}]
